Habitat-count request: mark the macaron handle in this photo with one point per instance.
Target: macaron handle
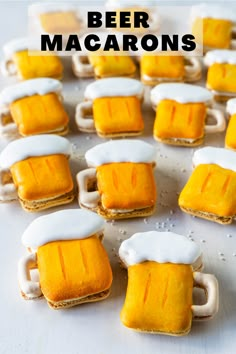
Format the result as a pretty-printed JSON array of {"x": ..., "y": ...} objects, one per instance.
[
  {"x": 8, "y": 68},
  {"x": 83, "y": 111},
  {"x": 220, "y": 121},
  {"x": 81, "y": 66},
  {"x": 87, "y": 198},
  {"x": 193, "y": 69},
  {"x": 8, "y": 191},
  {"x": 30, "y": 289},
  {"x": 209, "y": 284},
  {"x": 7, "y": 128}
]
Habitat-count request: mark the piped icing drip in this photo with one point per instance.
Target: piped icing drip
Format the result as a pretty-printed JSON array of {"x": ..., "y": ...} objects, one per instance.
[
  {"x": 70, "y": 224},
  {"x": 113, "y": 151},
  {"x": 40, "y": 86},
  {"x": 114, "y": 87},
  {"x": 219, "y": 156},
  {"x": 213, "y": 11},
  {"x": 161, "y": 247},
  {"x": 42, "y": 8},
  {"x": 182, "y": 93},
  {"x": 231, "y": 106},
  {"x": 220, "y": 56},
  {"x": 18, "y": 45},
  {"x": 38, "y": 145}
]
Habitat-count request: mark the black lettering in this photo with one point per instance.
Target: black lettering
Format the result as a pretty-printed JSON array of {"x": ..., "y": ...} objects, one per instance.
[
  {"x": 154, "y": 42},
  {"x": 87, "y": 42},
  {"x": 94, "y": 19},
  {"x": 130, "y": 42},
  {"x": 51, "y": 44},
  {"x": 125, "y": 19},
  {"x": 111, "y": 43},
  {"x": 170, "y": 44},
  {"x": 111, "y": 19},
  {"x": 188, "y": 40},
  {"x": 73, "y": 43},
  {"x": 141, "y": 19}
]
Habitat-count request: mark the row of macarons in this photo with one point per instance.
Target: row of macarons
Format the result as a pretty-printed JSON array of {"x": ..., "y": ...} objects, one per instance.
[
  {"x": 112, "y": 107},
  {"x": 213, "y": 25},
  {"x": 73, "y": 268},
  {"x": 119, "y": 182}
]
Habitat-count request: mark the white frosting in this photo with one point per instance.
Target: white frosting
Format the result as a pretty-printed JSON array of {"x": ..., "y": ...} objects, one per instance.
[
  {"x": 213, "y": 11},
  {"x": 219, "y": 156},
  {"x": 42, "y": 8},
  {"x": 182, "y": 93},
  {"x": 117, "y": 4},
  {"x": 40, "y": 86},
  {"x": 136, "y": 151},
  {"x": 161, "y": 247},
  {"x": 37, "y": 145},
  {"x": 70, "y": 224},
  {"x": 17, "y": 45},
  {"x": 231, "y": 106},
  {"x": 220, "y": 56},
  {"x": 114, "y": 87}
]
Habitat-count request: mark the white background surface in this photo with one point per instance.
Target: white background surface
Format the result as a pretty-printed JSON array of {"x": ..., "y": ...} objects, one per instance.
[{"x": 31, "y": 327}]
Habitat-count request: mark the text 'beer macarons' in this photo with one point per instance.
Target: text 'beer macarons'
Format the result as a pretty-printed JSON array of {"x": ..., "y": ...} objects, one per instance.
[
  {"x": 210, "y": 192},
  {"x": 33, "y": 107},
  {"x": 36, "y": 171},
  {"x": 161, "y": 277},
  {"x": 66, "y": 249},
  {"x": 23, "y": 60},
  {"x": 120, "y": 181},
  {"x": 161, "y": 67},
  {"x": 115, "y": 107},
  {"x": 221, "y": 73},
  {"x": 214, "y": 26},
  {"x": 181, "y": 114}
]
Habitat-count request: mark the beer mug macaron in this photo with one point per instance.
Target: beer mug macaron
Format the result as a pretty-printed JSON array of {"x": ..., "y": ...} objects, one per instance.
[
  {"x": 66, "y": 249},
  {"x": 33, "y": 107},
  {"x": 230, "y": 138},
  {"x": 162, "y": 273},
  {"x": 112, "y": 108},
  {"x": 119, "y": 182},
  {"x": 35, "y": 170},
  {"x": 210, "y": 192},
  {"x": 182, "y": 111}
]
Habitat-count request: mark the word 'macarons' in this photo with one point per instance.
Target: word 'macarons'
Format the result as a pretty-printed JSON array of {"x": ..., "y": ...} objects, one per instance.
[{"x": 130, "y": 42}]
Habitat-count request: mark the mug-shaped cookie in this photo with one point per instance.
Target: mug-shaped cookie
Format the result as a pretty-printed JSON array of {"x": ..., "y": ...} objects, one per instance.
[
  {"x": 163, "y": 68},
  {"x": 161, "y": 277},
  {"x": 23, "y": 60},
  {"x": 54, "y": 18},
  {"x": 214, "y": 26},
  {"x": 230, "y": 138},
  {"x": 33, "y": 107},
  {"x": 181, "y": 114},
  {"x": 221, "y": 73},
  {"x": 210, "y": 192},
  {"x": 66, "y": 249},
  {"x": 113, "y": 106},
  {"x": 120, "y": 181},
  {"x": 36, "y": 171},
  {"x": 132, "y": 7}
]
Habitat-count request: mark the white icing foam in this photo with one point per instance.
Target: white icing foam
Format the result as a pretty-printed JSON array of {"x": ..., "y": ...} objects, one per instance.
[
  {"x": 219, "y": 156},
  {"x": 42, "y": 8},
  {"x": 37, "y": 145},
  {"x": 117, "y": 4},
  {"x": 40, "y": 86},
  {"x": 231, "y": 106},
  {"x": 161, "y": 247},
  {"x": 220, "y": 56},
  {"x": 136, "y": 151},
  {"x": 114, "y": 87},
  {"x": 213, "y": 11},
  {"x": 70, "y": 224},
  {"x": 182, "y": 93},
  {"x": 17, "y": 45}
]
